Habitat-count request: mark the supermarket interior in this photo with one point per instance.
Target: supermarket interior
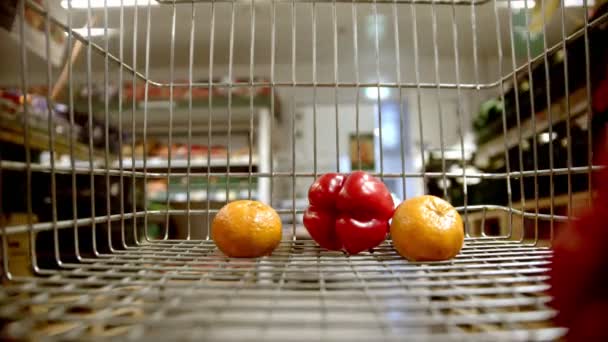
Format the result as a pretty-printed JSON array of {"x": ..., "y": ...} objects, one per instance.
[
  {"x": 152, "y": 106},
  {"x": 303, "y": 170}
]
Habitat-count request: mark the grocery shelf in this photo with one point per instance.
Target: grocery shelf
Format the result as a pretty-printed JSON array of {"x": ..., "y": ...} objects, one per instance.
[
  {"x": 155, "y": 163},
  {"x": 578, "y": 107},
  {"x": 201, "y": 196},
  {"x": 13, "y": 132},
  {"x": 187, "y": 290}
]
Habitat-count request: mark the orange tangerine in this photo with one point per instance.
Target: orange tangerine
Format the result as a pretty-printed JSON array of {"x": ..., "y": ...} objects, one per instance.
[
  {"x": 246, "y": 229},
  {"x": 427, "y": 228}
]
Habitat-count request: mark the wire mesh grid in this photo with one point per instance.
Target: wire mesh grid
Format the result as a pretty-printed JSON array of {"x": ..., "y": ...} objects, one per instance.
[
  {"x": 187, "y": 290},
  {"x": 138, "y": 286}
]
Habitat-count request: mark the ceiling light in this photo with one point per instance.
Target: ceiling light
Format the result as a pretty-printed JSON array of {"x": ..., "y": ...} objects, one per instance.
[
  {"x": 578, "y": 3},
  {"x": 372, "y": 93},
  {"x": 95, "y": 31},
  {"x": 544, "y": 138},
  {"x": 469, "y": 170},
  {"x": 375, "y": 25},
  {"x": 106, "y": 3},
  {"x": 521, "y": 4},
  {"x": 444, "y": 183}
]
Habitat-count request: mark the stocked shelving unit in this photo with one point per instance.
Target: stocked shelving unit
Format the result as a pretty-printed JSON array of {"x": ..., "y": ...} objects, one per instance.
[
  {"x": 39, "y": 139},
  {"x": 528, "y": 128},
  {"x": 184, "y": 177}
]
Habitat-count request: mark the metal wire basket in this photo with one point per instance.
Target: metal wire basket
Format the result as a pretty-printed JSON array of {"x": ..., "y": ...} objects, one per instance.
[{"x": 107, "y": 274}]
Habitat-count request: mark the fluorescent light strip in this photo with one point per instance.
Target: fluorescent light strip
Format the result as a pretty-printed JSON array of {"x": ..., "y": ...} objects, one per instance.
[
  {"x": 521, "y": 4},
  {"x": 578, "y": 3},
  {"x": 83, "y": 4},
  {"x": 95, "y": 31},
  {"x": 372, "y": 93}
]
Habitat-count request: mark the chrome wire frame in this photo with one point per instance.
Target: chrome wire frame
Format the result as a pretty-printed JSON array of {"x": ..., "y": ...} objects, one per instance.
[{"x": 186, "y": 289}]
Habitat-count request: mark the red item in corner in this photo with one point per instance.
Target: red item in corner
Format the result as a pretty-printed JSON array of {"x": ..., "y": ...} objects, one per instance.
[{"x": 579, "y": 272}]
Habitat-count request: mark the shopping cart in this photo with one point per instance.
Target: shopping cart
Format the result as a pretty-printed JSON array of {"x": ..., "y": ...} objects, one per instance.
[{"x": 111, "y": 272}]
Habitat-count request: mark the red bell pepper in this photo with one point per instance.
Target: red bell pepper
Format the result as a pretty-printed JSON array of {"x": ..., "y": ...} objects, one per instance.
[{"x": 349, "y": 212}]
